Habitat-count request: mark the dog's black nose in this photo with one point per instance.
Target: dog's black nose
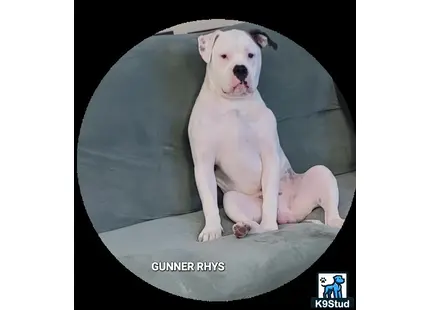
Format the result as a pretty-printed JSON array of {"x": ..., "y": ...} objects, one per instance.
[{"x": 241, "y": 72}]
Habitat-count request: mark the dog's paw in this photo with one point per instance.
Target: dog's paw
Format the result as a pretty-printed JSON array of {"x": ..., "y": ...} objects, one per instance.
[
  {"x": 240, "y": 229},
  {"x": 336, "y": 223},
  {"x": 210, "y": 232}
]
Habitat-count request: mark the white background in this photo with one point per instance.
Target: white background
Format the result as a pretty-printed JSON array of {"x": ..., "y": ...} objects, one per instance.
[{"x": 37, "y": 155}]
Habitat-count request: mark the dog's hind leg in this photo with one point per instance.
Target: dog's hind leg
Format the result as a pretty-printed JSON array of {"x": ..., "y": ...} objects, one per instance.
[
  {"x": 245, "y": 211},
  {"x": 326, "y": 293},
  {"x": 328, "y": 195},
  {"x": 317, "y": 187}
]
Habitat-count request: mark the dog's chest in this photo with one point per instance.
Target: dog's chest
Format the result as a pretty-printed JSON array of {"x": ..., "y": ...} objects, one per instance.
[
  {"x": 238, "y": 129},
  {"x": 238, "y": 152}
]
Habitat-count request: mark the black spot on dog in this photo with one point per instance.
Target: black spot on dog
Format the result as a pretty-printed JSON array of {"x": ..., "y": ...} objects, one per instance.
[{"x": 257, "y": 35}]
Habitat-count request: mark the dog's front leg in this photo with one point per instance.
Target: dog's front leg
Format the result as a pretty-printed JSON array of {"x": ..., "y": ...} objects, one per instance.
[
  {"x": 207, "y": 188},
  {"x": 203, "y": 152},
  {"x": 206, "y": 185},
  {"x": 270, "y": 178},
  {"x": 270, "y": 189},
  {"x": 338, "y": 292}
]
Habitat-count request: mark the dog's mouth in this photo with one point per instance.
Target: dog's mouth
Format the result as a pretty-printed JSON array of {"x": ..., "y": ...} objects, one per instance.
[{"x": 241, "y": 88}]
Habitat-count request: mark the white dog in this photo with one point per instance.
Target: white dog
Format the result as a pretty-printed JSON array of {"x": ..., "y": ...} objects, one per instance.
[{"x": 235, "y": 145}]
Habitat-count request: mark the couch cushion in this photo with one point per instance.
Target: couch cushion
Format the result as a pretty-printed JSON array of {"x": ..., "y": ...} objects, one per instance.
[
  {"x": 254, "y": 265},
  {"x": 133, "y": 141}
]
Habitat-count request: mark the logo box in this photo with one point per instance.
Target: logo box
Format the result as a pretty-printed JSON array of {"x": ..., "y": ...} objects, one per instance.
[
  {"x": 330, "y": 283},
  {"x": 332, "y": 291}
]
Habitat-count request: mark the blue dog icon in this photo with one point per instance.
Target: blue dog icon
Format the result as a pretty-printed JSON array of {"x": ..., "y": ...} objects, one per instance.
[{"x": 334, "y": 290}]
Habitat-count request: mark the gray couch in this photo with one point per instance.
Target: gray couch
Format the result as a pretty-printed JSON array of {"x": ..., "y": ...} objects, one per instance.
[{"x": 136, "y": 177}]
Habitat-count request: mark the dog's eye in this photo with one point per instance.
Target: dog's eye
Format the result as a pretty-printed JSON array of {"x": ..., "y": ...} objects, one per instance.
[
  {"x": 223, "y": 56},
  {"x": 250, "y": 55}
]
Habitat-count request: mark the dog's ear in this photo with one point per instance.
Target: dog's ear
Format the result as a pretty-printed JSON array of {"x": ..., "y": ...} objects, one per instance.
[
  {"x": 206, "y": 44},
  {"x": 262, "y": 39}
]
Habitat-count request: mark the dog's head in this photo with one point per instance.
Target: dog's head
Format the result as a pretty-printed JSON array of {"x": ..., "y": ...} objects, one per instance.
[
  {"x": 233, "y": 59},
  {"x": 339, "y": 279}
]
